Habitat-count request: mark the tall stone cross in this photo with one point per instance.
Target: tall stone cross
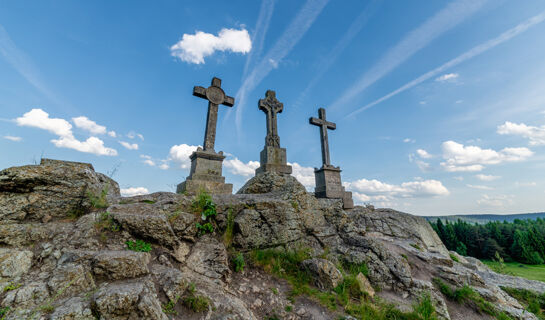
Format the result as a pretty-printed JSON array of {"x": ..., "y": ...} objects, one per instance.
[
  {"x": 324, "y": 125},
  {"x": 271, "y": 106},
  {"x": 215, "y": 96}
]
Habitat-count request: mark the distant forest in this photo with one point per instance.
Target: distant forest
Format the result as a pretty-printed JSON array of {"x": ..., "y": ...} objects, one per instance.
[{"x": 521, "y": 240}]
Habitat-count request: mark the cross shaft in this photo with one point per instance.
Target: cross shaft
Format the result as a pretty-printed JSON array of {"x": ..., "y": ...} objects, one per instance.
[
  {"x": 271, "y": 106},
  {"x": 215, "y": 96},
  {"x": 322, "y": 122}
]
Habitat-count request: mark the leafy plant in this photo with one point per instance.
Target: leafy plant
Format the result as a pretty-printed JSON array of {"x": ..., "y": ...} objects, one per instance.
[
  {"x": 204, "y": 228},
  {"x": 239, "y": 262},
  {"x": 169, "y": 307},
  {"x": 454, "y": 257},
  {"x": 229, "y": 228},
  {"x": 466, "y": 295},
  {"x": 148, "y": 201},
  {"x": 204, "y": 205},
  {"x": 3, "y": 312},
  {"x": 99, "y": 201},
  {"x": 105, "y": 222},
  {"x": 138, "y": 246},
  {"x": 11, "y": 286},
  {"x": 195, "y": 302}
]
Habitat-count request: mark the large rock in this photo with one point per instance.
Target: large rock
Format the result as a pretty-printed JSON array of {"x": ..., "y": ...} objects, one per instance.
[
  {"x": 326, "y": 275},
  {"x": 270, "y": 182},
  {"x": 125, "y": 301},
  {"x": 73, "y": 309},
  {"x": 52, "y": 189},
  {"x": 121, "y": 264},
  {"x": 14, "y": 262},
  {"x": 209, "y": 258}
]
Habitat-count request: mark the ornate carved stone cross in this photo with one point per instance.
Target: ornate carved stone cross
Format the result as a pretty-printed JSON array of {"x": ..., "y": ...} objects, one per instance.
[
  {"x": 324, "y": 125},
  {"x": 215, "y": 96},
  {"x": 271, "y": 106}
]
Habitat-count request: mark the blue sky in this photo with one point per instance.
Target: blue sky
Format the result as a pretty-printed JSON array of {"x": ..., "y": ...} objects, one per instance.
[{"x": 439, "y": 105}]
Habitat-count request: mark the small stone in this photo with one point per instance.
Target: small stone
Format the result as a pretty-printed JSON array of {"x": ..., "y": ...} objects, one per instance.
[
  {"x": 164, "y": 260},
  {"x": 57, "y": 254},
  {"x": 255, "y": 289},
  {"x": 257, "y": 303},
  {"x": 46, "y": 218},
  {"x": 181, "y": 251},
  {"x": 121, "y": 264},
  {"x": 301, "y": 311},
  {"x": 365, "y": 285}
]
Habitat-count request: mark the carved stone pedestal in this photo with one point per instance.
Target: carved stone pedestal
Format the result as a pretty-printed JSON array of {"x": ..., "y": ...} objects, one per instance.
[
  {"x": 273, "y": 159},
  {"x": 205, "y": 174},
  {"x": 328, "y": 185}
]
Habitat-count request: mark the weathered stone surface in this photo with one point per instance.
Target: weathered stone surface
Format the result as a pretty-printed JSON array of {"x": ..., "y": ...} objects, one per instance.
[
  {"x": 270, "y": 182},
  {"x": 73, "y": 309},
  {"x": 326, "y": 275},
  {"x": 209, "y": 258},
  {"x": 129, "y": 300},
  {"x": 172, "y": 281},
  {"x": 365, "y": 285},
  {"x": 52, "y": 189},
  {"x": 28, "y": 295},
  {"x": 146, "y": 226},
  {"x": 121, "y": 264},
  {"x": 70, "y": 279},
  {"x": 14, "y": 262}
]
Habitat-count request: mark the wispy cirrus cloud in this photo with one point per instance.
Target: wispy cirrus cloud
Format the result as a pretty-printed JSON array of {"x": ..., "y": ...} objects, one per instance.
[
  {"x": 475, "y": 51},
  {"x": 13, "y": 138},
  {"x": 289, "y": 38},
  {"x": 450, "y": 16},
  {"x": 258, "y": 37}
]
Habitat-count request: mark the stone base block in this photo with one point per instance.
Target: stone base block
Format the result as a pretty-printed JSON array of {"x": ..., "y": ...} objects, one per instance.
[
  {"x": 329, "y": 185},
  {"x": 205, "y": 174},
  {"x": 273, "y": 159},
  {"x": 212, "y": 187}
]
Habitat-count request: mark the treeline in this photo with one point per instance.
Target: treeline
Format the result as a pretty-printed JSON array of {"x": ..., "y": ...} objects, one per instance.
[{"x": 521, "y": 240}]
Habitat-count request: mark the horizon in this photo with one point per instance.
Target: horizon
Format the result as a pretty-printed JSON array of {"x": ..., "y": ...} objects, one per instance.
[{"x": 439, "y": 106}]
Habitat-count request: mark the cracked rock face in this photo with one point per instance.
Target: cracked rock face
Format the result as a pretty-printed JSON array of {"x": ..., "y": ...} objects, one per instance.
[{"x": 60, "y": 263}]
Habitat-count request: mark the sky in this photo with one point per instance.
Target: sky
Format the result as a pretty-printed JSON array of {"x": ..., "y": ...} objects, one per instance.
[{"x": 439, "y": 105}]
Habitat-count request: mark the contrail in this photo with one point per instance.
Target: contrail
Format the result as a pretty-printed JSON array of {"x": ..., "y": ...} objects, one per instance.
[
  {"x": 452, "y": 15},
  {"x": 262, "y": 26},
  {"x": 291, "y": 36},
  {"x": 328, "y": 61},
  {"x": 507, "y": 35},
  {"x": 20, "y": 62}
]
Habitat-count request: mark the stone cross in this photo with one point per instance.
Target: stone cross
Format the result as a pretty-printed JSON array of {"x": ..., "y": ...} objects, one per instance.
[
  {"x": 215, "y": 96},
  {"x": 324, "y": 125},
  {"x": 271, "y": 106}
]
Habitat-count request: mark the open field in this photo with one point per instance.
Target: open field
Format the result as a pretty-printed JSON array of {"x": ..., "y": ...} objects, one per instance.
[{"x": 532, "y": 272}]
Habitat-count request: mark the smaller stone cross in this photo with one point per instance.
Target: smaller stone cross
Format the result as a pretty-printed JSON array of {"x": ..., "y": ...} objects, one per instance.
[
  {"x": 271, "y": 106},
  {"x": 324, "y": 125},
  {"x": 215, "y": 96}
]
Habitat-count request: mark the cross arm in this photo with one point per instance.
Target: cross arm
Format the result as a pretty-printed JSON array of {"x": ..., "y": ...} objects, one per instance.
[
  {"x": 199, "y": 92},
  {"x": 315, "y": 121},
  {"x": 229, "y": 101}
]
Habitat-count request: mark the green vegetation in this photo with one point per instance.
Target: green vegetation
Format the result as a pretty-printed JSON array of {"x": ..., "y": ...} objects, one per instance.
[
  {"x": 274, "y": 290},
  {"x": 532, "y": 272},
  {"x": 138, "y": 246},
  {"x": 148, "y": 201},
  {"x": 169, "y": 307},
  {"x": 4, "y": 312},
  {"x": 195, "y": 302},
  {"x": 11, "y": 286},
  {"x": 206, "y": 208},
  {"x": 467, "y": 296},
  {"x": 347, "y": 295},
  {"x": 454, "y": 257},
  {"x": 295, "y": 205},
  {"x": 229, "y": 228},
  {"x": 521, "y": 240},
  {"x": 239, "y": 262},
  {"x": 532, "y": 301},
  {"x": 99, "y": 201},
  {"x": 105, "y": 222},
  {"x": 416, "y": 246},
  {"x": 288, "y": 308}
]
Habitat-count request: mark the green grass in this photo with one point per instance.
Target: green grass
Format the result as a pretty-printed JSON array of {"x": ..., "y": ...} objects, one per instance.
[
  {"x": 138, "y": 246},
  {"x": 532, "y": 301},
  {"x": 532, "y": 272}
]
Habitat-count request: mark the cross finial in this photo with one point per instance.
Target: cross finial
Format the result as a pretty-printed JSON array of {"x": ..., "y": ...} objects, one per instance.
[
  {"x": 271, "y": 106},
  {"x": 324, "y": 125},
  {"x": 215, "y": 96}
]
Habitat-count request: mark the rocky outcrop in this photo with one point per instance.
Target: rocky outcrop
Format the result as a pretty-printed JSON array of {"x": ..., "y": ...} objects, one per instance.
[
  {"x": 52, "y": 189},
  {"x": 64, "y": 231}
]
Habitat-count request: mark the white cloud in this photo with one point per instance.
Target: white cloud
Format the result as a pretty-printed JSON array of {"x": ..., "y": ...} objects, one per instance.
[
  {"x": 240, "y": 168},
  {"x": 149, "y": 162},
  {"x": 180, "y": 154},
  {"x": 13, "y": 138},
  {"x": 112, "y": 134},
  {"x": 193, "y": 48},
  {"x": 484, "y": 177},
  {"x": 360, "y": 197},
  {"x": 89, "y": 125},
  {"x": 495, "y": 200},
  {"x": 480, "y": 187},
  {"x": 525, "y": 184},
  {"x": 423, "y": 154},
  {"x": 535, "y": 135},
  {"x": 92, "y": 145},
  {"x": 459, "y": 178},
  {"x": 412, "y": 189},
  {"x": 447, "y": 77},
  {"x": 460, "y": 158},
  {"x": 164, "y": 166},
  {"x": 305, "y": 175},
  {"x": 134, "y": 191},
  {"x": 409, "y": 140},
  {"x": 40, "y": 119},
  {"x": 130, "y": 146},
  {"x": 132, "y": 135}
]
